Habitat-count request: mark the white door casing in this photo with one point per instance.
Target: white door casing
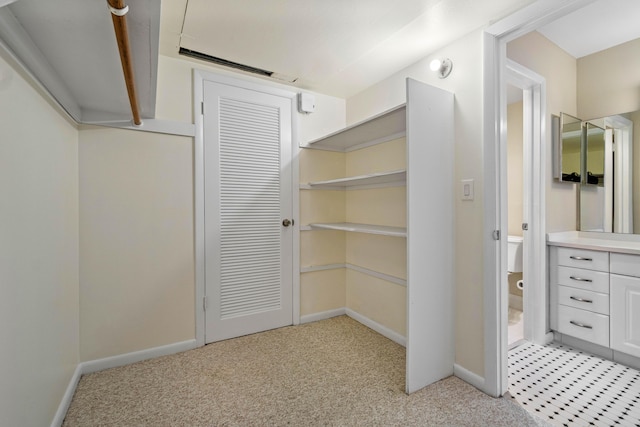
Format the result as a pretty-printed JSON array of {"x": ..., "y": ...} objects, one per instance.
[
  {"x": 496, "y": 38},
  {"x": 248, "y": 253}
]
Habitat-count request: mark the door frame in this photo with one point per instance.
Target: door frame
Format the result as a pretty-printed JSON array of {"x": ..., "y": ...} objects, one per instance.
[
  {"x": 495, "y": 39},
  {"x": 199, "y": 77},
  {"x": 535, "y": 143}
]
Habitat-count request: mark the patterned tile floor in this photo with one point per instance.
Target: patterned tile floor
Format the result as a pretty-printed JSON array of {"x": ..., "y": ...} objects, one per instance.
[{"x": 567, "y": 387}]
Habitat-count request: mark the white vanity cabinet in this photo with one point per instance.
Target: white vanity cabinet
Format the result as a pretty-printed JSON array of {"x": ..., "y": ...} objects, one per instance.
[
  {"x": 594, "y": 291},
  {"x": 580, "y": 294},
  {"x": 625, "y": 297}
]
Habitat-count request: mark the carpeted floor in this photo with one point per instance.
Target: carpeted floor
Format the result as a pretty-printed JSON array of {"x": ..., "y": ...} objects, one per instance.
[{"x": 335, "y": 372}]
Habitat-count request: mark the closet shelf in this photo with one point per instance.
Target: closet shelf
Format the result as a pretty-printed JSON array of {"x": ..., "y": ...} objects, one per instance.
[
  {"x": 397, "y": 177},
  {"x": 362, "y": 228},
  {"x": 384, "y": 127}
]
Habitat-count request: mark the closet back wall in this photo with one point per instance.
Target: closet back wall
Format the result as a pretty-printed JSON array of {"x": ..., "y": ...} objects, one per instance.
[{"x": 137, "y": 235}]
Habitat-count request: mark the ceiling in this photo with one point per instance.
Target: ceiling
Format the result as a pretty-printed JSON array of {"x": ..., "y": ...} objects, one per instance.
[
  {"x": 335, "y": 47},
  {"x": 595, "y": 27}
]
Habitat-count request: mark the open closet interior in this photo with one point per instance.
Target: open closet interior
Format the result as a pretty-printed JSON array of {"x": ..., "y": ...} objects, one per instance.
[{"x": 376, "y": 228}]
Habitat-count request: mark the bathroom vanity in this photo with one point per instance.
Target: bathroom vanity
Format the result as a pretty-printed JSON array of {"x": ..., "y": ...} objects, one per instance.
[{"x": 594, "y": 293}]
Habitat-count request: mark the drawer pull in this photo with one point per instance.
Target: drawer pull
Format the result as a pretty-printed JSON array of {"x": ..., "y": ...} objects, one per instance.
[
  {"x": 580, "y": 279},
  {"x": 581, "y": 325},
  {"x": 581, "y": 299},
  {"x": 579, "y": 258}
]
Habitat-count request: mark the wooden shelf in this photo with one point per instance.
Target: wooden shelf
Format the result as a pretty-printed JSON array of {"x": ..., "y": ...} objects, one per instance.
[
  {"x": 384, "y": 127},
  {"x": 363, "y": 228},
  {"x": 383, "y": 179}
]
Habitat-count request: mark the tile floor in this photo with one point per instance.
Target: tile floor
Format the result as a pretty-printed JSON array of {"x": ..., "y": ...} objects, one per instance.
[{"x": 567, "y": 387}]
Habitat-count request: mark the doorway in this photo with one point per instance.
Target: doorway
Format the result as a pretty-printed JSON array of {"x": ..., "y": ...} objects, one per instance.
[{"x": 247, "y": 224}]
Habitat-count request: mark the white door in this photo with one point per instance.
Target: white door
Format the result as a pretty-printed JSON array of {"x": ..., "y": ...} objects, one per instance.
[{"x": 248, "y": 179}]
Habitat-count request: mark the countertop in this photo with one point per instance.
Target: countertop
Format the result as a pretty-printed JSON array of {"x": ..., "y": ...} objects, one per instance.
[{"x": 609, "y": 242}]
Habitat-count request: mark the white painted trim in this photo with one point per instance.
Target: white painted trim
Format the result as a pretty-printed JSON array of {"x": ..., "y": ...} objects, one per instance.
[
  {"x": 495, "y": 39},
  {"x": 469, "y": 377},
  {"x": 358, "y": 146},
  {"x": 325, "y": 267},
  {"x": 150, "y": 125},
  {"x": 198, "y": 197},
  {"x": 383, "y": 276},
  {"x": 382, "y": 330},
  {"x": 534, "y": 168},
  {"x": 113, "y": 362},
  {"x": 308, "y": 318},
  {"x": 63, "y": 407},
  {"x": 376, "y": 142},
  {"x": 136, "y": 356},
  {"x": 295, "y": 214},
  {"x": 363, "y": 270},
  {"x": 354, "y": 187}
]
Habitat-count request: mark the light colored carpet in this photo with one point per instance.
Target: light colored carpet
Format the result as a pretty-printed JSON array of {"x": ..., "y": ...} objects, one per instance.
[{"x": 336, "y": 372}]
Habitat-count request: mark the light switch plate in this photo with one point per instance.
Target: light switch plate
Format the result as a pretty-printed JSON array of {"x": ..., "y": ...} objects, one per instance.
[{"x": 467, "y": 189}]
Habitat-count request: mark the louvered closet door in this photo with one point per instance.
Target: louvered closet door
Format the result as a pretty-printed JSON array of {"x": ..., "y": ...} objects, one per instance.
[{"x": 248, "y": 251}]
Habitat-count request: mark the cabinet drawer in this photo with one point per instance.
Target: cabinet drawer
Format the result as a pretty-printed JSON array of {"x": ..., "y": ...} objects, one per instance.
[
  {"x": 583, "y": 324},
  {"x": 625, "y": 264},
  {"x": 596, "y": 281},
  {"x": 586, "y": 300},
  {"x": 583, "y": 258}
]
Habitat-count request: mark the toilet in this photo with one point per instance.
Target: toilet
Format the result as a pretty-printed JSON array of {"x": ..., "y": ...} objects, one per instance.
[{"x": 514, "y": 251}]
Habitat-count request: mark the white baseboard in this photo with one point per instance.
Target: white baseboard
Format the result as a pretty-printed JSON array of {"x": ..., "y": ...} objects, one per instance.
[
  {"x": 113, "y": 362},
  {"x": 58, "y": 418},
  {"x": 322, "y": 315},
  {"x": 136, "y": 356},
  {"x": 469, "y": 377},
  {"x": 382, "y": 330}
]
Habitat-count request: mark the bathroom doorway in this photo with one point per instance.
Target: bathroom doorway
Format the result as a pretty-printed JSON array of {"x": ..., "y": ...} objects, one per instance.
[
  {"x": 524, "y": 159},
  {"x": 515, "y": 190}
]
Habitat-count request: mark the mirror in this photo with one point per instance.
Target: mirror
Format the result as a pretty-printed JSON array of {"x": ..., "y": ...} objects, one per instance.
[
  {"x": 569, "y": 150},
  {"x": 597, "y": 155}
]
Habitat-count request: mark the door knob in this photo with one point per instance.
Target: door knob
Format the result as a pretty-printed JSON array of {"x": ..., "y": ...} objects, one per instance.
[{"x": 287, "y": 222}]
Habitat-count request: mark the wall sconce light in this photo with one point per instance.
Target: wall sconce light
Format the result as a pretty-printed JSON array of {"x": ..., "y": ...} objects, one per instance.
[{"x": 441, "y": 66}]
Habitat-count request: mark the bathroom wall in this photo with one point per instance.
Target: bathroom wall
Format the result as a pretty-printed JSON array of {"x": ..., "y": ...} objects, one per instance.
[
  {"x": 607, "y": 84},
  {"x": 608, "y": 81},
  {"x": 559, "y": 69}
]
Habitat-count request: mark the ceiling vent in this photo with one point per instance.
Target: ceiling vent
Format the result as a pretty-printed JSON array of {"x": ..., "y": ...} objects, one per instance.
[
  {"x": 236, "y": 65},
  {"x": 224, "y": 62}
]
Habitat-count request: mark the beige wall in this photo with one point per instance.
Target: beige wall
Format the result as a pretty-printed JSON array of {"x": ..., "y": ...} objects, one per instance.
[
  {"x": 609, "y": 81},
  {"x": 175, "y": 99},
  {"x": 514, "y": 168},
  {"x": 137, "y": 236},
  {"x": 466, "y": 82},
  {"x": 136, "y": 241},
  {"x": 537, "y": 53},
  {"x": 38, "y": 253}
]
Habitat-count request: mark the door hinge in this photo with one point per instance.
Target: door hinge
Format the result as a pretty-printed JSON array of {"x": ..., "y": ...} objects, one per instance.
[
  {"x": 205, "y": 303},
  {"x": 496, "y": 234},
  {"x": 525, "y": 226},
  {"x": 202, "y": 108}
]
